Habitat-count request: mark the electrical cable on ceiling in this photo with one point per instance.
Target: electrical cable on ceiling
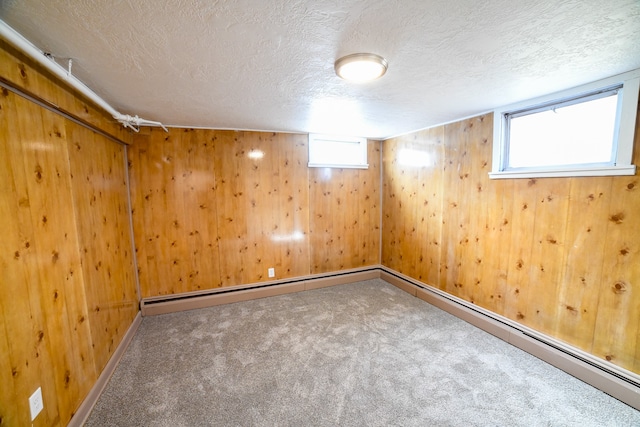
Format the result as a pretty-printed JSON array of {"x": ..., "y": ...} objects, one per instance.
[{"x": 48, "y": 61}]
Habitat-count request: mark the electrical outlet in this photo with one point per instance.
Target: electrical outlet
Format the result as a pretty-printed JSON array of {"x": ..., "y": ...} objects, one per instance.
[
  {"x": 35, "y": 403},
  {"x": 272, "y": 272}
]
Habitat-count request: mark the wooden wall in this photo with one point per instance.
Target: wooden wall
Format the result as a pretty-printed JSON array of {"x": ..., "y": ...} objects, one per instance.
[
  {"x": 207, "y": 214},
  {"x": 68, "y": 292},
  {"x": 559, "y": 255},
  {"x": 21, "y": 72}
]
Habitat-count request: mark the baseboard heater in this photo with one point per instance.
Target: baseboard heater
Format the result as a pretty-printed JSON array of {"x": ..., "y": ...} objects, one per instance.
[
  {"x": 622, "y": 384},
  {"x": 210, "y": 297}
]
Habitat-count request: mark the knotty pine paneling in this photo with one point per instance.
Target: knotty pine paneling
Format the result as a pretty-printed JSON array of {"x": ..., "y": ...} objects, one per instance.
[
  {"x": 100, "y": 194},
  {"x": 262, "y": 205},
  {"x": 50, "y": 338},
  {"x": 218, "y": 208},
  {"x": 174, "y": 211},
  {"x": 559, "y": 255},
  {"x": 22, "y": 72},
  {"x": 412, "y": 204},
  {"x": 345, "y": 215},
  {"x": 617, "y": 321}
]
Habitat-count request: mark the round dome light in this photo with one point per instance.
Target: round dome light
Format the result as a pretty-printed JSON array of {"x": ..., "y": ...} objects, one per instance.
[{"x": 361, "y": 67}]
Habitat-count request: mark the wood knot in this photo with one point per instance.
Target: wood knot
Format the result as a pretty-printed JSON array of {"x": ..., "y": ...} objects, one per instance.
[
  {"x": 617, "y": 218},
  {"x": 520, "y": 316},
  {"x": 38, "y": 172},
  {"x": 619, "y": 287}
]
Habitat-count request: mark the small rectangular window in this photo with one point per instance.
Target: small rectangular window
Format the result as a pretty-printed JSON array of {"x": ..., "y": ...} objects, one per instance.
[
  {"x": 337, "y": 151},
  {"x": 583, "y": 133}
]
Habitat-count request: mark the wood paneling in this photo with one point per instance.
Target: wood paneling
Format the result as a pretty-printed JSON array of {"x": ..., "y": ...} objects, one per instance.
[
  {"x": 263, "y": 205},
  {"x": 32, "y": 78},
  {"x": 412, "y": 204},
  {"x": 100, "y": 194},
  {"x": 218, "y": 208},
  {"x": 560, "y": 255},
  {"x": 174, "y": 211},
  {"x": 345, "y": 215},
  {"x": 617, "y": 322},
  {"x": 50, "y": 338}
]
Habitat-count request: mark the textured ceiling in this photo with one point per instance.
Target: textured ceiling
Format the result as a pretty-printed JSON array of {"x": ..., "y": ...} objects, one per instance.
[{"x": 268, "y": 65}]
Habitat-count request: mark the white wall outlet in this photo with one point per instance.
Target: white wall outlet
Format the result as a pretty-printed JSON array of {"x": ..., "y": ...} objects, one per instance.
[
  {"x": 35, "y": 403},
  {"x": 272, "y": 272}
]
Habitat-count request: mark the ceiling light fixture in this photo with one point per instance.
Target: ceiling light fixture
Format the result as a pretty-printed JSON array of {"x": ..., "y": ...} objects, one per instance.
[{"x": 361, "y": 67}]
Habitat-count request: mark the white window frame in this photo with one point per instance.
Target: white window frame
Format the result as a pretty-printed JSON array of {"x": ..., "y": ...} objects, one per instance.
[
  {"x": 357, "y": 163},
  {"x": 623, "y": 139}
]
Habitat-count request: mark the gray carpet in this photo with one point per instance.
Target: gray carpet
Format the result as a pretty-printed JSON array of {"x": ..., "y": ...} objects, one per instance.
[{"x": 364, "y": 354}]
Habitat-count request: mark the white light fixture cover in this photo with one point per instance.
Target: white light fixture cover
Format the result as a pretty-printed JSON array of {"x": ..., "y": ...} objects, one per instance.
[{"x": 361, "y": 67}]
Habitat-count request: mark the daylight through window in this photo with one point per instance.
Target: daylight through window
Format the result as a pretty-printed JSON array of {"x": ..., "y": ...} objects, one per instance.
[
  {"x": 579, "y": 134},
  {"x": 337, "y": 151}
]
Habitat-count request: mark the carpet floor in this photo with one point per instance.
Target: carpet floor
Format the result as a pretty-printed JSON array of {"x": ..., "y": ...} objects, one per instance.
[{"x": 363, "y": 354}]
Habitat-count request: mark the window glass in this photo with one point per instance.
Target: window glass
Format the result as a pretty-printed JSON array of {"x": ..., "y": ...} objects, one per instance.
[
  {"x": 588, "y": 130},
  {"x": 339, "y": 152},
  {"x": 581, "y": 133}
]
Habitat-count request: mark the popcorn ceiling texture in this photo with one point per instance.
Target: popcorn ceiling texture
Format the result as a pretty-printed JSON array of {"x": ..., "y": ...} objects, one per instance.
[{"x": 260, "y": 65}]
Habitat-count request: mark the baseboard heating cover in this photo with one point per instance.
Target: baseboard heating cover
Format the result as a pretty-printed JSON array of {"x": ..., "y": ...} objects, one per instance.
[
  {"x": 193, "y": 300},
  {"x": 622, "y": 384}
]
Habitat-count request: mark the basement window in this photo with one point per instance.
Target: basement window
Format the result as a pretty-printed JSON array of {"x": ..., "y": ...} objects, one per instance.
[
  {"x": 337, "y": 152},
  {"x": 587, "y": 131}
]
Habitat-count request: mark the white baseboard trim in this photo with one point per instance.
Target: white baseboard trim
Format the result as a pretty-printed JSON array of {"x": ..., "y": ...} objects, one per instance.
[
  {"x": 617, "y": 382},
  {"x": 194, "y": 300},
  {"x": 85, "y": 408}
]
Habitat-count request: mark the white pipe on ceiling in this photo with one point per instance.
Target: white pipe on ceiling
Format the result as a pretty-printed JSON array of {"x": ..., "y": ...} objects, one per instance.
[{"x": 47, "y": 61}]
